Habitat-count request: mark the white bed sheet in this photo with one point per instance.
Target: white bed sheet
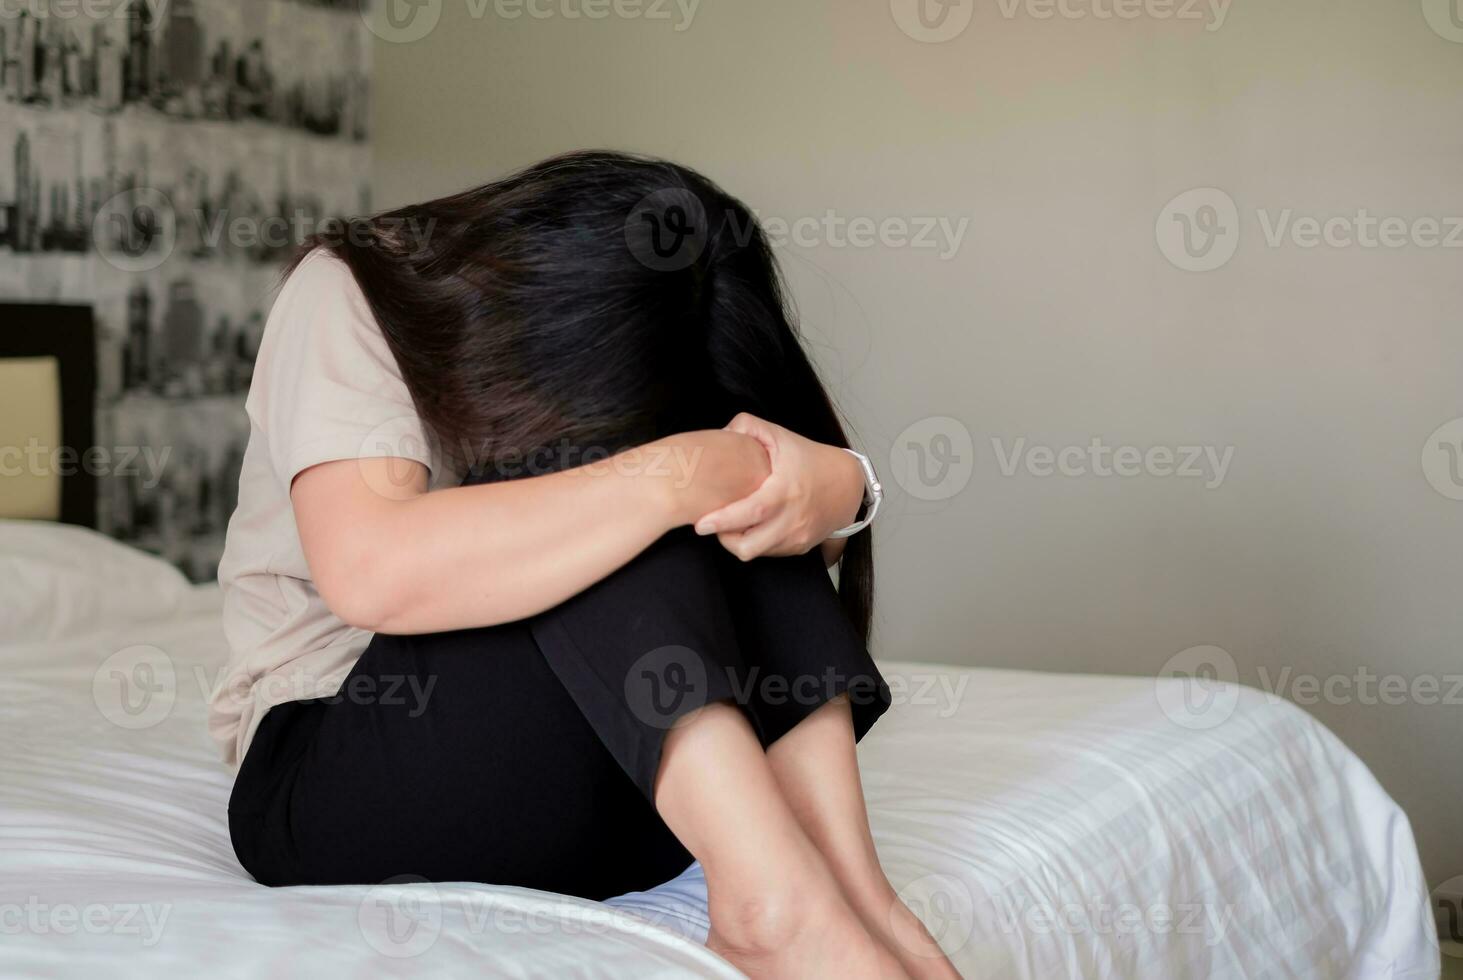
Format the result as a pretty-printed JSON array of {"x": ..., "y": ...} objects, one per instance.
[{"x": 1043, "y": 826}]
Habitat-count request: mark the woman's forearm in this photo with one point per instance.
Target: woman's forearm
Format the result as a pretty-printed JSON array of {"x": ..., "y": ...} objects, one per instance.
[
  {"x": 389, "y": 557},
  {"x": 493, "y": 553}
]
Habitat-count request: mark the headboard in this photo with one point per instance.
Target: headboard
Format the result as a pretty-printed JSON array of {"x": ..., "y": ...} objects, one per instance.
[{"x": 48, "y": 367}]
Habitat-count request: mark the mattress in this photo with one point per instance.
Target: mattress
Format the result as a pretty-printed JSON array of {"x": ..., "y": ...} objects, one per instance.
[{"x": 1042, "y": 825}]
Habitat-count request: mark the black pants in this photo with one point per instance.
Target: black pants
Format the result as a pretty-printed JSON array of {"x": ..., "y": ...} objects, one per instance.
[{"x": 525, "y": 754}]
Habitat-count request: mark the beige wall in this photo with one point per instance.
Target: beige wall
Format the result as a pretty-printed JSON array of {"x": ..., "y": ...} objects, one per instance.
[{"x": 1058, "y": 319}]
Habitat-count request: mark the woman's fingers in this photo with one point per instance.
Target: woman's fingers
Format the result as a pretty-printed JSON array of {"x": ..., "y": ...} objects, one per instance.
[
  {"x": 760, "y": 429},
  {"x": 751, "y": 543},
  {"x": 739, "y": 515}
]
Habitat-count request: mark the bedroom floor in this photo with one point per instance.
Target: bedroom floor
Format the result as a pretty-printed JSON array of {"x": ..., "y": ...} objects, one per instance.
[{"x": 1452, "y": 968}]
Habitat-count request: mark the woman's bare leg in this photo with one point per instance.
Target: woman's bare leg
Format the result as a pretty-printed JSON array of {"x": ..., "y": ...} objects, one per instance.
[
  {"x": 817, "y": 767},
  {"x": 776, "y": 908}
]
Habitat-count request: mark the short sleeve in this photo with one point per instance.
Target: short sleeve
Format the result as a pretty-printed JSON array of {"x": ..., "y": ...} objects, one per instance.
[{"x": 326, "y": 386}]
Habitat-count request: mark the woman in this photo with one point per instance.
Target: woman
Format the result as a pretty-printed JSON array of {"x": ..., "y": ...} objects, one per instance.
[{"x": 507, "y": 604}]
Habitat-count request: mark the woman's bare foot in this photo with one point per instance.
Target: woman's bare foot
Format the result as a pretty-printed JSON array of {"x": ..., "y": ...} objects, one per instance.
[
  {"x": 800, "y": 937},
  {"x": 891, "y": 922}
]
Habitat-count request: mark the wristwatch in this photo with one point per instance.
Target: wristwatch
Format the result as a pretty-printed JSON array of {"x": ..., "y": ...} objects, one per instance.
[{"x": 873, "y": 496}]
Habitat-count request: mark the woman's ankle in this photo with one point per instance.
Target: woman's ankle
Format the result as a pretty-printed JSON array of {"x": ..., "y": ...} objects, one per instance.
[
  {"x": 808, "y": 936},
  {"x": 767, "y": 911}
]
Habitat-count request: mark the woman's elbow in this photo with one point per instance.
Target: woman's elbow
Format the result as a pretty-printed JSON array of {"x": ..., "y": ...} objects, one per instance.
[{"x": 356, "y": 590}]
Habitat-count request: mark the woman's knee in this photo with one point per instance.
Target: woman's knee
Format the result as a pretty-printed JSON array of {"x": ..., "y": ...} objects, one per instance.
[{"x": 672, "y": 592}]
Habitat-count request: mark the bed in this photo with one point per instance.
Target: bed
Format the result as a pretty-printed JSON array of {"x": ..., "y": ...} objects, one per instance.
[{"x": 1042, "y": 825}]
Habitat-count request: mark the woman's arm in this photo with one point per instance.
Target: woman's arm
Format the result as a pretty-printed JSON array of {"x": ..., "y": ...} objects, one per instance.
[{"x": 389, "y": 557}]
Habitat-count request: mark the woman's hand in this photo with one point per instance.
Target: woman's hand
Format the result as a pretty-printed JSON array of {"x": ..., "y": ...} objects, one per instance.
[{"x": 812, "y": 491}]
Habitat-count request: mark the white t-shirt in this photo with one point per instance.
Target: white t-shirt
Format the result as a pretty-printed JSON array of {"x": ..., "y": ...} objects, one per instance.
[{"x": 326, "y": 387}]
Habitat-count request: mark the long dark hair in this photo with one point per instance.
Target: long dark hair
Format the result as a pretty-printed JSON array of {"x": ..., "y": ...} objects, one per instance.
[{"x": 584, "y": 298}]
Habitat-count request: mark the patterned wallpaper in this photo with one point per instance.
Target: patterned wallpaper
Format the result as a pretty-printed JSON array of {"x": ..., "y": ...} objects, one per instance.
[{"x": 158, "y": 159}]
